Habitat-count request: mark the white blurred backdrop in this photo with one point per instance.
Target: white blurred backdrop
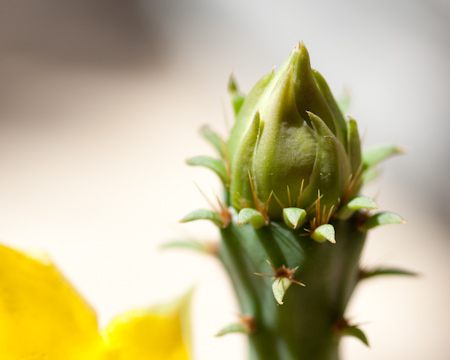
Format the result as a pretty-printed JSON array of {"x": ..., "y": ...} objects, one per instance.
[{"x": 101, "y": 102}]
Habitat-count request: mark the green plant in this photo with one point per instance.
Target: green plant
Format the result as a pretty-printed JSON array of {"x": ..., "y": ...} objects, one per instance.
[{"x": 292, "y": 170}]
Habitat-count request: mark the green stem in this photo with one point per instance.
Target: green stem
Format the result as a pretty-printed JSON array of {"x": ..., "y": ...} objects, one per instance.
[{"x": 303, "y": 327}]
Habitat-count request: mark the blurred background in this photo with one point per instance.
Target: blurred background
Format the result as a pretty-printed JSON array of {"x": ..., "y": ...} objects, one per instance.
[{"x": 101, "y": 102}]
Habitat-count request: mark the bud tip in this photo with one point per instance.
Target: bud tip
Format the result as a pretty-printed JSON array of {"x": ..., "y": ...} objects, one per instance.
[
  {"x": 300, "y": 45},
  {"x": 232, "y": 86}
]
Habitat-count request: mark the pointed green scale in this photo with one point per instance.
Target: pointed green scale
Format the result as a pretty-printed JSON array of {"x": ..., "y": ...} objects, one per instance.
[
  {"x": 375, "y": 155},
  {"x": 364, "y": 274},
  {"x": 233, "y": 329},
  {"x": 331, "y": 168},
  {"x": 189, "y": 245},
  {"x": 383, "y": 218},
  {"x": 214, "y": 139},
  {"x": 246, "y": 115},
  {"x": 308, "y": 95},
  {"x": 341, "y": 126},
  {"x": 362, "y": 202},
  {"x": 323, "y": 233},
  {"x": 286, "y": 148},
  {"x": 294, "y": 217},
  {"x": 279, "y": 75},
  {"x": 355, "y": 204},
  {"x": 240, "y": 187},
  {"x": 215, "y": 165},
  {"x": 353, "y": 146},
  {"x": 357, "y": 333},
  {"x": 279, "y": 288},
  {"x": 252, "y": 216},
  {"x": 203, "y": 214},
  {"x": 237, "y": 98}
]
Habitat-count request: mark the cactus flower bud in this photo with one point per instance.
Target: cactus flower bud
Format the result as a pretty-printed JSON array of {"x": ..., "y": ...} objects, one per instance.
[
  {"x": 291, "y": 140},
  {"x": 292, "y": 169}
]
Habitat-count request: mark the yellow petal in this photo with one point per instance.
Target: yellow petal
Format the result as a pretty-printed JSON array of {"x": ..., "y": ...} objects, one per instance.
[
  {"x": 158, "y": 333},
  {"x": 42, "y": 317}
]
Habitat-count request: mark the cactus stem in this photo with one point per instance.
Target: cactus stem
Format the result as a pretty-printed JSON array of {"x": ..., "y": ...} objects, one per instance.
[
  {"x": 282, "y": 273},
  {"x": 308, "y": 333}
]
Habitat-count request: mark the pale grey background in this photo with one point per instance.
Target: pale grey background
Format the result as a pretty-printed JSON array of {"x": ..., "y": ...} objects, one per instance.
[{"x": 100, "y": 103}]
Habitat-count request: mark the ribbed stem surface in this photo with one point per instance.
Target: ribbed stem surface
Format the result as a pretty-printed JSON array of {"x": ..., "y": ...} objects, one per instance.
[{"x": 303, "y": 327}]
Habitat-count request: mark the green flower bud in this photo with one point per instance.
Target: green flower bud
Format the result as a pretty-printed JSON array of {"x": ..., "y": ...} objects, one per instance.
[{"x": 291, "y": 140}]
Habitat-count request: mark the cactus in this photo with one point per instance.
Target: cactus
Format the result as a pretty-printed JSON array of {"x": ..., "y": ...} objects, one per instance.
[{"x": 292, "y": 170}]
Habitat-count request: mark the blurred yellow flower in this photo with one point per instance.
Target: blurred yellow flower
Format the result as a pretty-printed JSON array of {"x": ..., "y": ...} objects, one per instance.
[{"x": 42, "y": 317}]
